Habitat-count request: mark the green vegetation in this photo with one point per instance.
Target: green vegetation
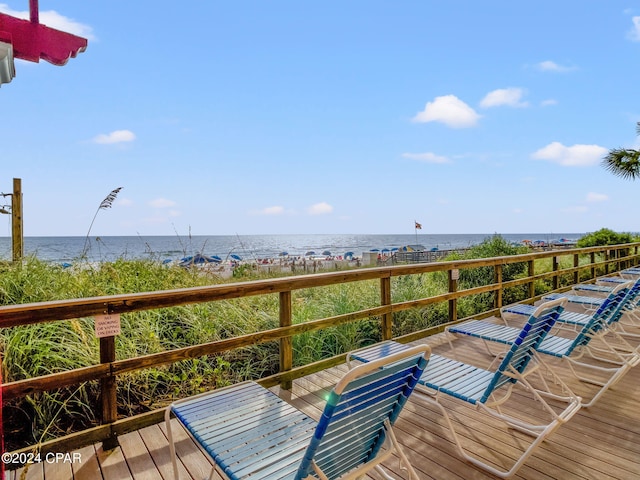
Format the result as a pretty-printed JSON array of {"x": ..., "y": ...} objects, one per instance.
[
  {"x": 624, "y": 162},
  {"x": 35, "y": 350},
  {"x": 495, "y": 246},
  {"x": 606, "y": 236}
]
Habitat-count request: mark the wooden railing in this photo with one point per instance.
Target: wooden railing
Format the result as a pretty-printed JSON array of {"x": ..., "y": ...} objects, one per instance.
[{"x": 601, "y": 260}]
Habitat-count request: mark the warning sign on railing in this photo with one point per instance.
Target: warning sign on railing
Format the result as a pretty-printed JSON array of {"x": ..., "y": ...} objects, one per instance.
[{"x": 107, "y": 325}]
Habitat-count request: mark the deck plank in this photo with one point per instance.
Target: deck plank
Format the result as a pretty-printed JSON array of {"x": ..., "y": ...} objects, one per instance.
[
  {"x": 31, "y": 472},
  {"x": 113, "y": 463},
  {"x": 193, "y": 459},
  {"x": 601, "y": 442},
  {"x": 57, "y": 470},
  {"x": 156, "y": 442},
  {"x": 138, "y": 457},
  {"x": 89, "y": 468}
]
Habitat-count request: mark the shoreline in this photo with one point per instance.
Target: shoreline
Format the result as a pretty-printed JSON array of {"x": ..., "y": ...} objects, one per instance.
[{"x": 255, "y": 248}]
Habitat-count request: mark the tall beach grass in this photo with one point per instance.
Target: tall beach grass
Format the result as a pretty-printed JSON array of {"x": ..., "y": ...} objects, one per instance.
[{"x": 35, "y": 350}]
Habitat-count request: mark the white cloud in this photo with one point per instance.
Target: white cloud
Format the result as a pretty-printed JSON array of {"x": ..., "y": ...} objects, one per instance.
[
  {"x": 162, "y": 203},
  {"x": 426, "y": 157},
  {"x": 634, "y": 33},
  {"x": 449, "y": 110},
  {"x": 124, "y": 202},
  {"x": 53, "y": 19},
  {"x": 549, "y": 102},
  {"x": 321, "y": 208},
  {"x": 275, "y": 210},
  {"x": 117, "y": 136},
  {"x": 549, "y": 66},
  {"x": 597, "y": 197},
  {"x": 574, "y": 156},
  {"x": 510, "y": 97}
]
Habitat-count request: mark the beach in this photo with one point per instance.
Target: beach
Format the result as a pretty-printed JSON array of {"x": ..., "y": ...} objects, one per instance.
[{"x": 248, "y": 248}]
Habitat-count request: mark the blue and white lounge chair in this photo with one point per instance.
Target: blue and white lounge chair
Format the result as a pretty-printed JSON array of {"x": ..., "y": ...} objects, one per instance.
[
  {"x": 250, "y": 433},
  {"x": 592, "y": 288},
  {"x": 610, "y": 280},
  {"x": 577, "y": 295},
  {"x": 610, "y": 310},
  {"x": 628, "y": 316},
  {"x": 608, "y": 283},
  {"x": 604, "y": 286},
  {"x": 489, "y": 390},
  {"x": 569, "y": 349},
  {"x": 601, "y": 307},
  {"x": 632, "y": 272}
]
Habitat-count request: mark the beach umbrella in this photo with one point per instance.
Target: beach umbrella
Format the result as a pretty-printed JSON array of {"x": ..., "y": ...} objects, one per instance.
[
  {"x": 374, "y": 250},
  {"x": 310, "y": 252},
  {"x": 284, "y": 254},
  {"x": 235, "y": 257},
  {"x": 326, "y": 252},
  {"x": 385, "y": 250},
  {"x": 199, "y": 259},
  {"x": 348, "y": 255}
]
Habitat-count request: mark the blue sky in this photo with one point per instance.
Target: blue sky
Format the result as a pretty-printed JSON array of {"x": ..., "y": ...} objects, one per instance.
[{"x": 255, "y": 117}]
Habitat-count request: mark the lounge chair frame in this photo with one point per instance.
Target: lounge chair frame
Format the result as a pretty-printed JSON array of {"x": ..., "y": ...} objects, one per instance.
[
  {"x": 250, "y": 432},
  {"x": 489, "y": 389},
  {"x": 571, "y": 351}
]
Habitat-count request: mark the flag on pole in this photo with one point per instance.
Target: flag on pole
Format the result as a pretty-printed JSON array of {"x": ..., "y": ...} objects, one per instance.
[{"x": 418, "y": 225}]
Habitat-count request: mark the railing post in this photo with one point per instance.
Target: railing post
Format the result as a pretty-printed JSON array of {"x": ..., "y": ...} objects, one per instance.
[
  {"x": 576, "y": 274},
  {"x": 592, "y": 258},
  {"x": 556, "y": 282},
  {"x": 453, "y": 287},
  {"x": 286, "y": 344},
  {"x": 108, "y": 393},
  {"x": 385, "y": 299},
  {"x": 497, "y": 301},
  {"x": 621, "y": 262},
  {"x": 530, "y": 273}
]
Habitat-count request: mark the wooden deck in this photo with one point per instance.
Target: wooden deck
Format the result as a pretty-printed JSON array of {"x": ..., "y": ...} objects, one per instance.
[{"x": 602, "y": 442}]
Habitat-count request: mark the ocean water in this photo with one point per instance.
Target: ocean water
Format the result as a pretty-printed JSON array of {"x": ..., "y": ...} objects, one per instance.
[{"x": 248, "y": 247}]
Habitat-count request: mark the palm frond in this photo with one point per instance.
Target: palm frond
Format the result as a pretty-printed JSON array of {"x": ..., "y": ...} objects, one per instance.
[{"x": 624, "y": 163}]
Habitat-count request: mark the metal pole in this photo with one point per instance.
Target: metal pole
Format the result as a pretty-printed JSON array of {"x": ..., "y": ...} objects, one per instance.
[{"x": 34, "y": 13}]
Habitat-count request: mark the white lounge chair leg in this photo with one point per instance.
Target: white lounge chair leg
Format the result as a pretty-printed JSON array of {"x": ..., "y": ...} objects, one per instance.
[{"x": 172, "y": 447}]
